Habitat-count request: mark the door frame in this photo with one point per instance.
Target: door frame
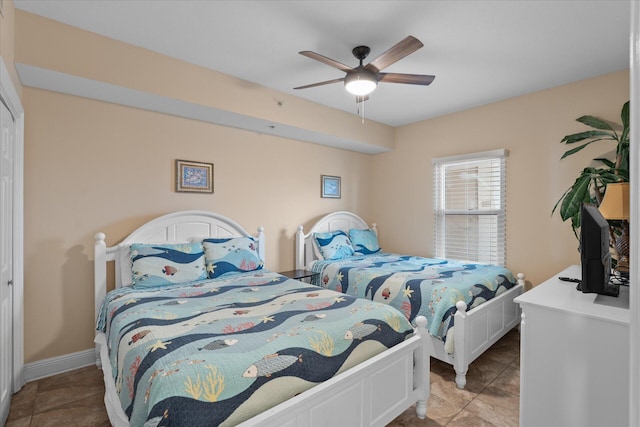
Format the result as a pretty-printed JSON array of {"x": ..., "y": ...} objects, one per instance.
[
  {"x": 634, "y": 165},
  {"x": 10, "y": 97}
]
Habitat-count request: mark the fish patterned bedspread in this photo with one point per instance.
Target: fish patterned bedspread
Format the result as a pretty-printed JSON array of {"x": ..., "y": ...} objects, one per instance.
[
  {"x": 415, "y": 285},
  {"x": 217, "y": 352}
]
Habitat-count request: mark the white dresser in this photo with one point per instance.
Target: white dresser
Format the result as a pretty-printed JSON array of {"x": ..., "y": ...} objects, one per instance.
[{"x": 574, "y": 356}]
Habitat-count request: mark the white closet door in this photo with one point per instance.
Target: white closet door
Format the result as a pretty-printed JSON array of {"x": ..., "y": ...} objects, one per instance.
[{"x": 7, "y": 145}]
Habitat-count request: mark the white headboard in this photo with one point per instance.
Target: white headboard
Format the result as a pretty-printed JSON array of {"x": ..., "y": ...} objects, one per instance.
[
  {"x": 176, "y": 227},
  {"x": 341, "y": 220}
]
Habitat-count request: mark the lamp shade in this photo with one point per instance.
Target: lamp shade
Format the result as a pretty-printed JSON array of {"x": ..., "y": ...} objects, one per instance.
[
  {"x": 615, "y": 204},
  {"x": 360, "y": 83}
]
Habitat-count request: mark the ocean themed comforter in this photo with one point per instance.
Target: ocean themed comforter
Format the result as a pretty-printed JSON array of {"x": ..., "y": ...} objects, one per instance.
[
  {"x": 415, "y": 285},
  {"x": 217, "y": 352}
]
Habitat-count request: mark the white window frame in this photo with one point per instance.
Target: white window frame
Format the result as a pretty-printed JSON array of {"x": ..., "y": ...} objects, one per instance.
[{"x": 494, "y": 251}]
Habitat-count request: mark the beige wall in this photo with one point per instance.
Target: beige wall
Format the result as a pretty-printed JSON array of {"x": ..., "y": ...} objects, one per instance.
[
  {"x": 7, "y": 41},
  {"x": 531, "y": 128},
  {"x": 92, "y": 166}
]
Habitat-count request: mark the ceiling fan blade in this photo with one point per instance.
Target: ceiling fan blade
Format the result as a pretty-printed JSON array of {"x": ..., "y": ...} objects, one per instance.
[
  {"x": 320, "y": 83},
  {"x": 412, "y": 79},
  {"x": 331, "y": 62},
  {"x": 405, "y": 47}
]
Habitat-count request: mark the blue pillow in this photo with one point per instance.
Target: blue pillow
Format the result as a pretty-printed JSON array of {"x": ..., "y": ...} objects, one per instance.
[
  {"x": 364, "y": 242},
  {"x": 165, "y": 264},
  {"x": 333, "y": 245},
  {"x": 230, "y": 255}
]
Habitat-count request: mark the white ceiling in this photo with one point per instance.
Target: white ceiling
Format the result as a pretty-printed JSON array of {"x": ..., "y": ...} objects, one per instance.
[{"x": 480, "y": 51}]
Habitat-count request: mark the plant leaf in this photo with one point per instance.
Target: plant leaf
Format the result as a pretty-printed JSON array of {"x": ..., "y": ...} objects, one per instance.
[
  {"x": 624, "y": 115},
  {"x": 595, "y": 122},
  {"x": 611, "y": 176},
  {"x": 624, "y": 137},
  {"x": 580, "y": 136},
  {"x": 575, "y": 225},
  {"x": 607, "y": 162},
  {"x": 560, "y": 200},
  {"x": 573, "y": 199},
  {"x": 624, "y": 160},
  {"x": 576, "y": 149}
]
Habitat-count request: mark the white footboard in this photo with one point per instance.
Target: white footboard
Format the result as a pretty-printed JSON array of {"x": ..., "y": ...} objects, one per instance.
[
  {"x": 478, "y": 329},
  {"x": 372, "y": 393}
]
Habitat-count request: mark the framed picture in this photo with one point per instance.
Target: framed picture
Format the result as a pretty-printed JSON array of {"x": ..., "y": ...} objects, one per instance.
[
  {"x": 194, "y": 177},
  {"x": 330, "y": 186}
]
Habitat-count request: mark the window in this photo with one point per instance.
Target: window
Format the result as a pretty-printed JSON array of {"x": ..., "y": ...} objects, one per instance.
[{"x": 469, "y": 205}]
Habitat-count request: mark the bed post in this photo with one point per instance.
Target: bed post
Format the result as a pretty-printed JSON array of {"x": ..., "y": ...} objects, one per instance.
[
  {"x": 422, "y": 359},
  {"x": 522, "y": 283},
  {"x": 300, "y": 250},
  {"x": 99, "y": 277},
  {"x": 460, "y": 363},
  {"x": 261, "y": 243}
]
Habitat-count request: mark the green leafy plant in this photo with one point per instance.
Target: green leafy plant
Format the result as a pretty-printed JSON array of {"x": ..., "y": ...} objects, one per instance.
[{"x": 590, "y": 185}]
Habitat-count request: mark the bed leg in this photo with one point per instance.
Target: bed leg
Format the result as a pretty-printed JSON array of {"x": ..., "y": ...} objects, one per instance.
[
  {"x": 422, "y": 367},
  {"x": 421, "y": 409},
  {"x": 461, "y": 378},
  {"x": 97, "y": 353},
  {"x": 301, "y": 256},
  {"x": 460, "y": 361}
]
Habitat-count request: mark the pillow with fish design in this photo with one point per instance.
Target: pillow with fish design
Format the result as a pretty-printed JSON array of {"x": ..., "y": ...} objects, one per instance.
[
  {"x": 364, "y": 242},
  {"x": 165, "y": 264},
  {"x": 231, "y": 255},
  {"x": 334, "y": 244}
]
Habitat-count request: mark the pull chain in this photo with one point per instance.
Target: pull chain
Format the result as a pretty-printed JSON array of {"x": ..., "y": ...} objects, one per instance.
[{"x": 360, "y": 110}]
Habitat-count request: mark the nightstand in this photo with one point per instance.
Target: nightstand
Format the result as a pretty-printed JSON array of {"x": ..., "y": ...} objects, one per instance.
[{"x": 302, "y": 275}]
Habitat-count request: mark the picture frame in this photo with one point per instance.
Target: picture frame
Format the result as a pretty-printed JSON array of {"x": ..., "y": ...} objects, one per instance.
[
  {"x": 194, "y": 177},
  {"x": 330, "y": 187}
]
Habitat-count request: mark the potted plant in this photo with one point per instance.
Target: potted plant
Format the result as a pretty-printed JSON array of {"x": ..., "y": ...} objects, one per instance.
[{"x": 590, "y": 185}]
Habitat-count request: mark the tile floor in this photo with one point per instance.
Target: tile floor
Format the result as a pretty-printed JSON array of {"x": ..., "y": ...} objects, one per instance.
[{"x": 490, "y": 398}]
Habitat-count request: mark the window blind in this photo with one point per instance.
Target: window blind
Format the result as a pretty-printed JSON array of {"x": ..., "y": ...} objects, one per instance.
[{"x": 469, "y": 207}]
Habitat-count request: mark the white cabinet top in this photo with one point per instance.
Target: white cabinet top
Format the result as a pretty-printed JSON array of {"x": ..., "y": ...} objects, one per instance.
[{"x": 555, "y": 294}]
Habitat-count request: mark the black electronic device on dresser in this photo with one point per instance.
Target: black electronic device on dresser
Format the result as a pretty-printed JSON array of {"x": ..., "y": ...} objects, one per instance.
[{"x": 595, "y": 255}]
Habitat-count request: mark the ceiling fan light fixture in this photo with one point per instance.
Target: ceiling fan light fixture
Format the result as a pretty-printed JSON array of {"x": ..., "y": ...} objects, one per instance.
[{"x": 360, "y": 83}]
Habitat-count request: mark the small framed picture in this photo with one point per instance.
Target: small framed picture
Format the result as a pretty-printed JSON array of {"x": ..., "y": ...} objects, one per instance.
[
  {"x": 330, "y": 186},
  {"x": 194, "y": 177}
]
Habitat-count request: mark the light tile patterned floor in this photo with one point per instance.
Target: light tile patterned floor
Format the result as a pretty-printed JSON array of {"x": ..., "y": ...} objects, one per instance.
[{"x": 490, "y": 398}]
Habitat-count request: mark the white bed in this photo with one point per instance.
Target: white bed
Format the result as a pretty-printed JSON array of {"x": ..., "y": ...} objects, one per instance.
[
  {"x": 372, "y": 393},
  {"x": 475, "y": 330}
]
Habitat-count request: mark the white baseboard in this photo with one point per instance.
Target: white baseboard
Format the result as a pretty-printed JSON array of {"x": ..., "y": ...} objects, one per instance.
[{"x": 57, "y": 365}]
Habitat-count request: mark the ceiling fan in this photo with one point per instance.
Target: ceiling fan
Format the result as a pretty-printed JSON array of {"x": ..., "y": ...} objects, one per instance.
[{"x": 363, "y": 79}]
